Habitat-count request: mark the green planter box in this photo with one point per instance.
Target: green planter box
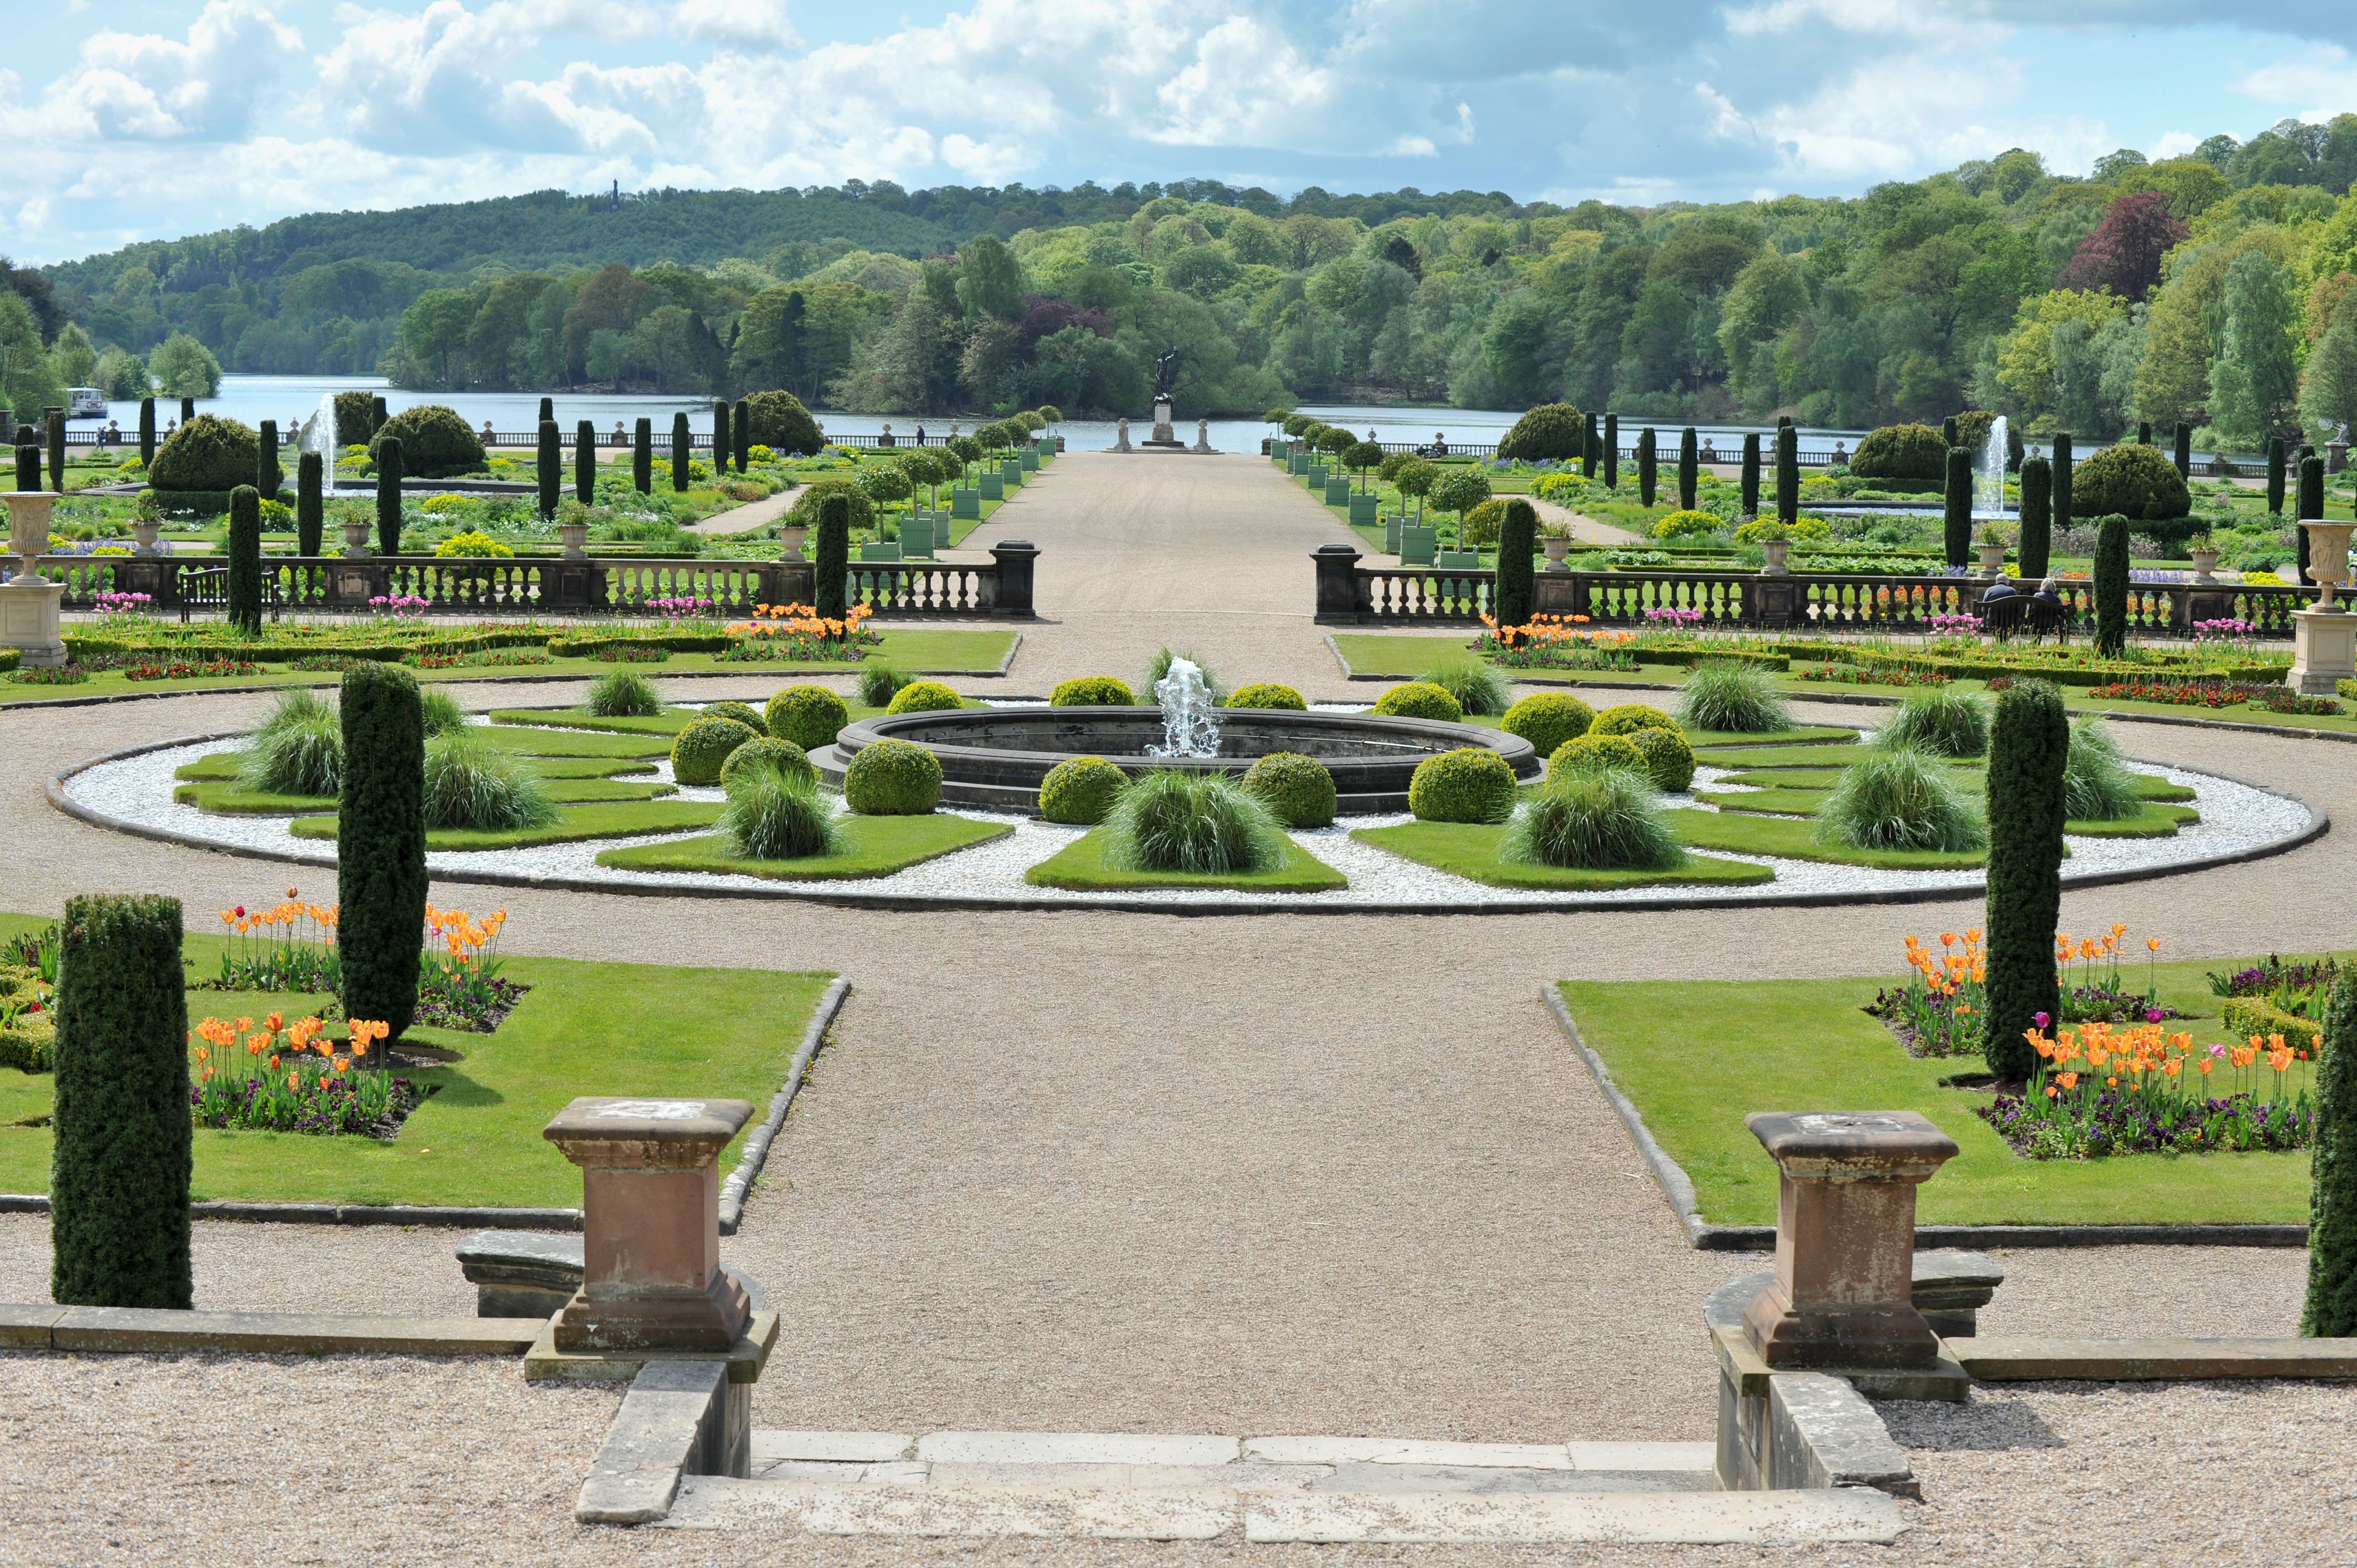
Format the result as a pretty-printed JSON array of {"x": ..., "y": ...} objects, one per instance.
[
  {"x": 1011, "y": 472},
  {"x": 1337, "y": 492},
  {"x": 1391, "y": 532},
  {"x": 1316, "y": 472},
  {"x": 965, "y": 503},
  {"x": 994, "y": 489},
  {"x": 1362, "y": 511},
  {"x": 1294, "y": 462},
  {"x": 1047, "y": 448},
  {"x": 1029, "y": 459}
]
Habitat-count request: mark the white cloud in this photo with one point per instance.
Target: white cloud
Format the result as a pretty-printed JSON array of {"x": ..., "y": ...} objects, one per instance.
[
  {"x": 750, "y": 24},
  {"x": 2319, "y": 80},
  {"x": 148, "y": 87}
]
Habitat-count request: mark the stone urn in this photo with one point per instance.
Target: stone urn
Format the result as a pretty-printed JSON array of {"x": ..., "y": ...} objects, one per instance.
[
  {"x": 142, "y": 535},
  {"x": 1774, "y": 553},
  {"x": 356, "y": 534},
  {"x": 793, "y": 533},
  {"x": 1992, "y": 559},
  {"x": 2328, "y": 558},
  {"x": 2205, "y": 564},
  {"x": 1556, "y": 546},
  {"x": 575, "y": 535},
  {"x": 28, "y": 531}
]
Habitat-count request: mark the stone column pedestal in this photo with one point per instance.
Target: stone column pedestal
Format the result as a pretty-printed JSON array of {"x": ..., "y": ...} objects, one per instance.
[
  {"x": 30, "y": 603},
  {"x": 2323, "y": 651},
  {"x": 651, "y": 1225},
  {"x": 1121, "y": 436},
  {"x": 1846, "y": 1238},
  {"x": 1337, "y": 582}
]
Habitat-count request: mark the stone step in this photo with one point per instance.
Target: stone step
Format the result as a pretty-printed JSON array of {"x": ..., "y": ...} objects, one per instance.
[{"x": 1164, "y": 1487}]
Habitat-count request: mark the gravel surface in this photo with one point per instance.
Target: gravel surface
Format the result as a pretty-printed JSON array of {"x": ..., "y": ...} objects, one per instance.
[{"x": 1151, "y": 1173}]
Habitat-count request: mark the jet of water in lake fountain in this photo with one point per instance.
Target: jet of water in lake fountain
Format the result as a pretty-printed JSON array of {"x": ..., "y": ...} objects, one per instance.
[
  {"x": 318, "y": 434},
  {"x": 1190, "y": 725},
  {"x": 1988, "y": 481}
]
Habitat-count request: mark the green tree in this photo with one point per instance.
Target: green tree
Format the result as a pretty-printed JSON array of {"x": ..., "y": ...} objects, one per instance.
[
  {"x": 1766, "y": 296},
  {"x": 612, "y": 300},
  {"x": 2328, "y": 391},
  {"x": 674, "y": 350},
  {"x": 2029, "y": 748},
  {"x": 989, "y": 279},
  {"x": 498, "y": 337},
  {"x": 380, "y": 844},
  {"x": 28, "y": 380},
  {"x": 75, "y": 355},
  {"x": 768, "y": 355},
  {"x": 2253, "y": 382},
  {"x": 2330, "y": 1310},
  {"x": 185, "y": 368},
  {"x": 433, "y": 329}
]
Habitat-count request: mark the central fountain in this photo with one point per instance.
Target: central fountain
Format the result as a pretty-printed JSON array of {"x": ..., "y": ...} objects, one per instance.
[
  {"x": 1989, "y": 479},
  {"x": 995, "y": 758}
]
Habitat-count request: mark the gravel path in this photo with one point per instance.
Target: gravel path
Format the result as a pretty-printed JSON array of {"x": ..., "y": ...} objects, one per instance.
[{"x": 1080, "y": 1171}]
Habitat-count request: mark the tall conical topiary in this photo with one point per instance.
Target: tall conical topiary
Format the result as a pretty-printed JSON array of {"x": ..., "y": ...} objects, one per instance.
[
  {"x": 642, "y": 456},
  {"x": 741, "y": 428},
  {"x": 1958, "y": 534},
  {"x": 1594, "y": 451},
  {"x": 683, "y": 450},
  {"x": 267, "y": 475},
  {"x": 1518, "y": 533},
  {"x": 245, "y": 560},
  {"x": 2144, "y": 433},
  {"x": 2062, "y": 513},
  {"x": 310, "y": 503},
  {"x": 388, "y": 495},
  {"x": 2037, "y": 517},
  {"x": 1948, "y": 432},
  {"x": 2310, "y": 507},
  {"x": 2029, "y": 748},
  {"x": 2331, "y": 1312},
  {"x": 29, "y": 462},
  {"x": 377, "y": 416},
  {"x": 380, "y": 844},
  {"x": 585, "y": 463},
  {"x": 120, "y": 1169},
  {"x": 146, "y": 432},
  {"x": 548, "y": 408},
  {"x": 1611, "y": 450},
  {"x": 2183, "y": 456},
  {"x": 2275, "y": 474},
  {"x": 57, "y": 435},
  {"x": 831, "y": 557},
  {"x": 1689, "y": 469},
  {"x": 1788, "y": 473},
  {"x": 2110, "y": 585},
  {"x": 724, "y": 440},
  {"x": 549, "y": 467},
  {"x": 1649, "y": 473},
  {"x": 1751, "y": 473}
]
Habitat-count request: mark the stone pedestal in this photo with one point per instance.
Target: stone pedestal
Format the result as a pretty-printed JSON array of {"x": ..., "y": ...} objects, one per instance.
[
  {"x": 29, "y": 602},
  {"x": 651, "y": 1225},
  {"x": 1162, "y": 436},
  {"x": 1121, "y": 438},
  {"x": 1202, "y": 435},
  {"x": 1845, "y": 1238},
  {"x": 2323, "y": 651},
  {"x": 1337, "y": 582}
]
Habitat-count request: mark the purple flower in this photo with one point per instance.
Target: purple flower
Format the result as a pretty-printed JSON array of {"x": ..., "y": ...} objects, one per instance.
[
  {"x": 2152, "y": 1014},
  {"x": 2041, "y": 1019}
]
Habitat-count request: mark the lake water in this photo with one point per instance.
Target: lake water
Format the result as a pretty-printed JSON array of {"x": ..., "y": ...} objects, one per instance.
[{"x": 252, "y": 399}]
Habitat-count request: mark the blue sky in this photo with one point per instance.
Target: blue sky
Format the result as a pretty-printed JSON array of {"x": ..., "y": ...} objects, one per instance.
[{"x": 141, "y": 119}]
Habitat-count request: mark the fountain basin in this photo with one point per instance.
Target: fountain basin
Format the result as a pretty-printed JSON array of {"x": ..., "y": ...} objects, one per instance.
[{"x": 995, "y": 758}]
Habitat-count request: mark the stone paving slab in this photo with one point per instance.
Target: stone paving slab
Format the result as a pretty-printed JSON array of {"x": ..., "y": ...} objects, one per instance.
[
  {"x": 2123, "y": 1360},
  {"x": 1398, "y": 1450},
  {"x": 707, "y": 1502},
  {"x": 147, "y": 1331},
  {"x": 1622, "y": 1518},
  {"x": 1075, "y": 1448},
  {"x": 869, "y": 1447}
]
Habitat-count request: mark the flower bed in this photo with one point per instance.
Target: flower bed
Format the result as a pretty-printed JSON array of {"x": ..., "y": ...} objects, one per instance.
[
  {"x": 284, "y": 1087},
  {"x": 2096, "y": 1091},
  {"x": 1871, "y": 675}
]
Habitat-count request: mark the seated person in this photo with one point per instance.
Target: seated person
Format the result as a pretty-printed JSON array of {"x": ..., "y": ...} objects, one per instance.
[
  {"x": 2002, "y": 588},
  {"x": 2050, "y": 590}
]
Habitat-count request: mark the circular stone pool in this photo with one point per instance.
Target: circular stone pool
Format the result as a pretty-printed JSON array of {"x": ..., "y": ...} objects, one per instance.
[{"x": 995, "y": 757}]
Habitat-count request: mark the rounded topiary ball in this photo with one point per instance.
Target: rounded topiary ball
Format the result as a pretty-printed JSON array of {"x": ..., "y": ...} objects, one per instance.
[
  {"x": 924, "y": 697},
  {"x": 810, "y": 717},
  {"x": 1631, "y": 717},
  {"x": 702, "y": 746},
  {"x": 1668, "y": 758},
  {"x": 2139, "y": 482},
  {"x": 1420, "y": 700},
  {"x": 1080, "y": 791},
  {"x": 1266, "y": 694},
  {"x": 767, "y": 751},
  {"x": 893, "y": 778},
  {"x": 1583, "y": 751},
  {"x": 743, "y": 713},
  {"x": 1547, "y": 719},
  {"x": 436, "y": 442},
  {"x": 1298, "y": 790},
  {"x": 208, "y": 452},
  {"x": 1093, "y": 691},
  {"x": 782, "y": 423},
  {"x": 1470, "y": 784}
]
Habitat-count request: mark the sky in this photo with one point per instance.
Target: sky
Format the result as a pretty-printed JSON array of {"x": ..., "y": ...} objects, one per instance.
[{"x": 143, "y": 119}]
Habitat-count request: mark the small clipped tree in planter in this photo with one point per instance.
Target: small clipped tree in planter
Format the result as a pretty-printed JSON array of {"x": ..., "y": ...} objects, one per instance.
[
  {"x": 388, "y": 495},
  {"x": 2330, "y": 1311},
  {"x": 2111, "y": 577},
  {"x": 1361, "y": 457},
  {"x": 1517, "y": 537},
  {"x": 831, "y": 557},
  {"x": 123, "y": 1156},
  {"x": 1958, "y": 534},
  {"x": 1415, "y": 479},
  {"x": 1689, "y": 469},
  {"x": 2029, "y": 748},
  {"x": 245, "y": 560},
  {"x": 2037, "y": 517},
  {"x": 380, "y": 844},
  {"x": 1459, "y": 491}
]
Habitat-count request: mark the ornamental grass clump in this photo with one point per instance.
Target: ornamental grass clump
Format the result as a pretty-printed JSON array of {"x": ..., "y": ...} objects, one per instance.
[
  {"x": 1202, "y": 823},
  {"x": 1478, "y": 687},
  {"x": 779, "y": 813},
  {"x": 1734, "y": 698},
  {"x": 1941, "y": 722},
  {"x": 472, "y": 784},
  {"x": 1592, "y": 819},
  {"x": 1419, "y": 700},
  {"x": 297, "y": 750},
  {"x": 1897, "y": 798},
  {"x": 624, "y": 694},
  {"x": 880, "y": 684},
  {"x": 2097, "y": 786},
  {"x": 440, "y": 712}
]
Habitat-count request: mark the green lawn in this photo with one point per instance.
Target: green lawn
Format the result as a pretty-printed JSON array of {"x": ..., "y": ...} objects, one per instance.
[
  {"x": 596, "y": 820},
  {"x": 1081, "y": 865},
  {"x": 1470, "y": 850},
  {"x": 1696, "y": 1056},
  {"x": 879, "y": 847},
  {"x": 584, "y": 1028},
  {"x": 1743, "y": 833}
]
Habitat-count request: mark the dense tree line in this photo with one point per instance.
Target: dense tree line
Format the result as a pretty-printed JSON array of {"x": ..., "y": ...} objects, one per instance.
[{"x": 2219, "y": 288}]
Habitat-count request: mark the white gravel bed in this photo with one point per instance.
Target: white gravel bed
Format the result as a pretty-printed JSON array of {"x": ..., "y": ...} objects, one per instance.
[{"x": 2235, "y": 819}]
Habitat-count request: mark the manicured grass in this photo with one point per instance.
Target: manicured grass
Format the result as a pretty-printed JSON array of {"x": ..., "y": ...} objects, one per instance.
[
  {"x": 227, "y": 798},
  {"x": 583, "y": 1028},
  {"x": 1470, "y": 850},
  {"x": 526, "y": 742},
  {"x": 1694, "y": 1056},
  {"x": 1743, "y": 833},
  {"x": 596, "y": 820},
  {"x": 879, "y": 847},
  {"x": 1081, "y": 865},
  {"x": 671, "y": 721},
  {"x": 1839, "y": 754}
]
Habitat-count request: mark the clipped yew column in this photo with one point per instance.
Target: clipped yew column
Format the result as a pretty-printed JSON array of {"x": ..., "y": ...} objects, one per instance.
[
  {"x": 1846, "y": 1238},
  {"x": 651, "y": 1219}
]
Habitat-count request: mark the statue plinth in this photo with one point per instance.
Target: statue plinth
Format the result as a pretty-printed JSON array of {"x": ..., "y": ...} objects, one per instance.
[
  {"x": 1164, "y": 438},
  {"x": 30, "y": 603},
  {"x": 2324, "y": 636}
]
